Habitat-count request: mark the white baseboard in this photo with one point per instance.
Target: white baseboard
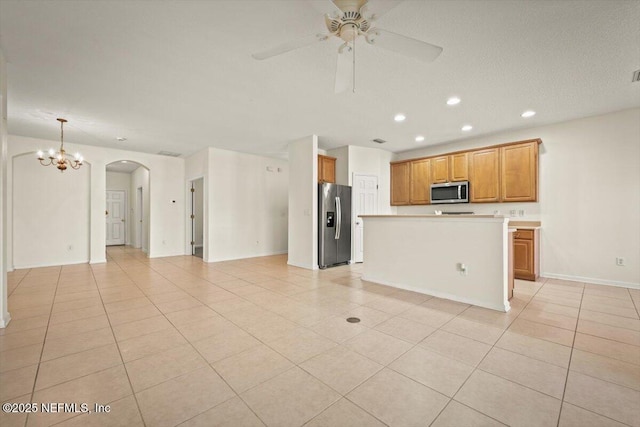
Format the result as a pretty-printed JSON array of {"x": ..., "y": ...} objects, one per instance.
[
  {"x": 591, "y": 280},
  {"x": 505, "y": 308},
  {"x": 4, "y": 321},
  {"x": 21, "y": 267},
  {"x": 305, "y": 266},
  {"x": 98, "y": 261},
  {"x": 234, "y": 258}
]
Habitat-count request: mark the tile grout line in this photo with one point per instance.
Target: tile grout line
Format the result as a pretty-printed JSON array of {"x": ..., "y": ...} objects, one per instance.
[
  {"x": 193, "y": 347},
  {"x": 116, "y": 342},
  {"x": 477, "y": 367},
  {"x": 566, "y": 380},
  {"x": 44, "y": 341}
]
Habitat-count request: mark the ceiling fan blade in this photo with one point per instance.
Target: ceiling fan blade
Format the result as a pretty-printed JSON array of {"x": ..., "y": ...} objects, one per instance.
[
  {"x": 326, "y": 7},
  {"x": 344, "y": 70},
  {"x": 290, "y": 45},
  {"x": 404, "y": 45},
  {"x": 374, "y": 9}
]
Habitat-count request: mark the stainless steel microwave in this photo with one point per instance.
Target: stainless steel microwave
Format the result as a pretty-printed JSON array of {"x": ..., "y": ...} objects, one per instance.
[{"x": 450, "y": 192}]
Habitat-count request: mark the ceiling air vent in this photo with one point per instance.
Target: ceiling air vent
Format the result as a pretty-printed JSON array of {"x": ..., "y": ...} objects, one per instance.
[
  {"x": 169, "y": 153},
  {"x": 636, "y": 76},
  {"x": 379, "y": 141}
]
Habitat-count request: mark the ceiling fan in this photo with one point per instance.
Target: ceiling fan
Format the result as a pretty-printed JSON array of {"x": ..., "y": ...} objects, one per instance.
[{"x": 349, "y": 20}]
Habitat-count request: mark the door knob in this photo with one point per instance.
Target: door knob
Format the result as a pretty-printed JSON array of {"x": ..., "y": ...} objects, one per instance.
[
  {"x": 106, "y": 212},
  {"x": 122, "y": 220}
]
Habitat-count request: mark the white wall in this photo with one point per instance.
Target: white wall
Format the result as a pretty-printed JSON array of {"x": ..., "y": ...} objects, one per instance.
[
  {"x": 342, "y": 164},
  {"x": 50, "y": 214},
  {"x": 120, "y": 181},
  {"x": 166, "y": 195},
  {"x": 589, "y": 195},
  {"x": 5, "y": 317},
  {"x": 140, "y": 179},
  {"x": 248, "y": 205},
  {"x": 303, "y": 202},
  {"x": 423, "y": 254}
]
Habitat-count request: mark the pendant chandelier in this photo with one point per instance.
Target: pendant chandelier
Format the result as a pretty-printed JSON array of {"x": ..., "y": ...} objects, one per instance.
[{"x": 59, "y": 159}]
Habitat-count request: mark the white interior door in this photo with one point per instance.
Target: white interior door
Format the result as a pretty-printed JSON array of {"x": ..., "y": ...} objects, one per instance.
[
  {"x": 115, "y": 217},
  {"x": 139, "y": 217},
  {"x": 365, "y": 202}
]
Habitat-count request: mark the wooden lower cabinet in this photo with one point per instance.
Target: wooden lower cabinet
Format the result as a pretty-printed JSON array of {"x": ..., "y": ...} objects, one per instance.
[
  {"x": 526, "y": 247},
  {"x": 511, "y": 275},
  {"x": 420, "y": 185},
  {"x": 484, "y": 176},
  {"x": 400, "y": 183}
]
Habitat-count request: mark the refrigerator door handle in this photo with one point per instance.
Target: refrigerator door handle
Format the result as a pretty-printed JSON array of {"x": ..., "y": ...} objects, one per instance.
[{"x": 339, "y": 215}]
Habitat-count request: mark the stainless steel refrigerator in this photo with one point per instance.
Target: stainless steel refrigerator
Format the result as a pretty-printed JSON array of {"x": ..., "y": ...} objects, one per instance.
[{"x": 334, "y": 224}]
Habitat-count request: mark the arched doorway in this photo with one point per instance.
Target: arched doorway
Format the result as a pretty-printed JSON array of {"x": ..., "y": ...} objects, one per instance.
[{"x": 127, "y": 205}]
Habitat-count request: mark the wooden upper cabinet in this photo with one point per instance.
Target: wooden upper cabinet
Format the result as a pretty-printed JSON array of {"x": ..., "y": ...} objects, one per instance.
[
  {"x": 440, "y": 169},
  {"x": 484, "y": 175},
  {"x": 420, "y": 185},
  {"x": 453, "y": 167},
  {"x": 519, "y": 172},
  {"x": 459, "y": 167},
  {"x": 326, "y": 169},
  {"x": 400, "y": 183}
]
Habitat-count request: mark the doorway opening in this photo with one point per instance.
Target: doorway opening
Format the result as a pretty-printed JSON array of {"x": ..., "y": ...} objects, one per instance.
[
  {"x": 365, "y": 202},
  {"x": 127, "y": 205},
  {"x": 197, "y": 217}
]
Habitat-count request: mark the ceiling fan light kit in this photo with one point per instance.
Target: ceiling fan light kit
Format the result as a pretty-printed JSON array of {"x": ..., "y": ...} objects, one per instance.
[{"x": 348, "y": 20}]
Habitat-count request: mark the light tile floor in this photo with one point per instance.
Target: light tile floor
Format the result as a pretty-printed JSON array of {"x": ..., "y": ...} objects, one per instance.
[{"x": 175, "y": 341}]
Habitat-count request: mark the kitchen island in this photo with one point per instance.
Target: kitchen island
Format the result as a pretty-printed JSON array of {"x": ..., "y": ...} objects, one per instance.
[{"x": 459, "y": 257}]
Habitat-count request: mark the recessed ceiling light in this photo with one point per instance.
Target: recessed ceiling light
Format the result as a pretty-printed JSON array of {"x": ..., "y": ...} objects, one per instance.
[
  {"x": 454, "y": 100},
  {"x": 123, "y": 161},
  {"x": 400, "y": 117},
  {"x": 466, "y": 128},
  {"x": 419, "y": 138},
  {"x": 528, "y": 113},
  {"x": 121, "y": 138}
]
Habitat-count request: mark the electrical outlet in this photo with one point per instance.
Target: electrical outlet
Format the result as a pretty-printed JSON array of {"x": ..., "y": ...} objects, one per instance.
[{"x": 620, "y": 261}]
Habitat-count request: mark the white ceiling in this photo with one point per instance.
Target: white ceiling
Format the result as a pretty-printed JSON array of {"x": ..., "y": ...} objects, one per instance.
[
  {"x": 122, "y": 166},
  {"x": 178, "y": 75}
]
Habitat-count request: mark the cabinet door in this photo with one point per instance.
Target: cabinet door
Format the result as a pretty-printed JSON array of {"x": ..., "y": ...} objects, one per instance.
[
  {"x": 400, "y": 179},
  {"x": 420, "y": 182},
  {"x": 440, "y": 169},
  {"x": 459, "y": 167},
  {"x": 329, "y": 169},
  {"x": 484, "y": 175},
  {"x": 523, "y": 259},
  {"x": 326, "y": 169},
  {"x": 519, "y": 172}
]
